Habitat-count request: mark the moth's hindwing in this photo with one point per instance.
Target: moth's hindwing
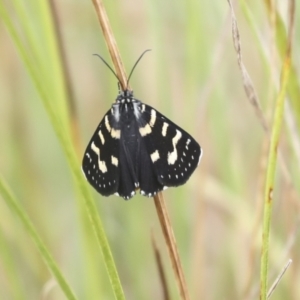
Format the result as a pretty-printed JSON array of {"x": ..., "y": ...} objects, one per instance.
[
  {"x": 174, "y": 153},
  {"x": 101, "y": 159}
]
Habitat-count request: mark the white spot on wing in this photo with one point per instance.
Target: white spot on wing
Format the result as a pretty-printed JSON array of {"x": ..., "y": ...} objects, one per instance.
[
  {"x": 145, "y": 130},
  {"x": 153, "y": 117},
  {"x": 101, "y": 137},
  {"x": 101, "y": 164},
  {"x": 115, "y": 133},
  {"x": 155, "y": 156},
  {"x": 114, "y": 161},
  {"x": 172, "y": 156},
  {"x": 107, "y": 125},
  {"x": 164, "y": 129}
]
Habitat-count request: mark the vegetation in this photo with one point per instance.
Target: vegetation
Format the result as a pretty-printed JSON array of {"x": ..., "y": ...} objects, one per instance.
[{"x": 61, "y": 240}]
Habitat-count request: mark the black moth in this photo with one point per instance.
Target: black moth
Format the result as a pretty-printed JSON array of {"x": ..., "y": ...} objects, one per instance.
[{"x": 136, "y": 147}]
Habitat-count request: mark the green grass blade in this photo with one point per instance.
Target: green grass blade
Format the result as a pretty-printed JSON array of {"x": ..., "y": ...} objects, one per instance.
[
  {"x": 16, "y": 288},
  {"x": 32, "y": 232},
  {"x": 60, "y": 122},
  {"x": 270, "y": 178},
  {"x": 293, "y": 86}
]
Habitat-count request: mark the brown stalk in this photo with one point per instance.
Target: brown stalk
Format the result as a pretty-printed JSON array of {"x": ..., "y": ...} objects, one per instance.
[
  {"x": 111, "y": 43},
  {"x": 171, "y": 244},
  {"x": 158, "y": 199}
]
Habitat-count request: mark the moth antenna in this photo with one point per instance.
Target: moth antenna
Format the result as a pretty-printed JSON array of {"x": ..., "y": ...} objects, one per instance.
[
  {"x": 130, "y": 71},
  {"x": 136, "y": 64},
  {"x": 108, "y": 66}
]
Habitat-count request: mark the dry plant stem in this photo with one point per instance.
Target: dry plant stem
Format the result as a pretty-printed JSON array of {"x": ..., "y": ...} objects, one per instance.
[
  {"x": 171, "y": 244},
  {"x": 111, "y": 43},
  {"x": 160, "y": 268},
  {"x": 247, "y": 82},
  {"x": 158, "y": 199},
  {"x": 250, "y": 90},
  {"x": 274, "y": 285}
]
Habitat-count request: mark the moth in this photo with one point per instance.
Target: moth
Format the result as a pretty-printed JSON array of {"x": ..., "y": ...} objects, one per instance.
[{"x": 136, "y": 147}]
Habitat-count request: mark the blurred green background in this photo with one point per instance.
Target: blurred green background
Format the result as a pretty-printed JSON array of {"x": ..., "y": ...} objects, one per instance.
[{"x": 191, "y": 76}]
